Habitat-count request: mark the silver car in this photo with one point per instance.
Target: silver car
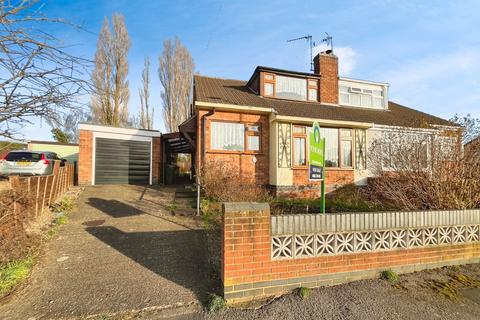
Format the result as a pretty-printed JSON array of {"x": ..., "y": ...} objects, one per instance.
[{"x": 24, "y": 162}]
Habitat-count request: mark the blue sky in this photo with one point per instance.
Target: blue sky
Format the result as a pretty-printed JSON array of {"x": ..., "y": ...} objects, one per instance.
[{"x": 428, "y": 51}]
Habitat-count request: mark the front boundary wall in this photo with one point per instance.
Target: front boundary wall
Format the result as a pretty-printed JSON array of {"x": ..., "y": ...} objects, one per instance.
[{"x": 265, "y": 255}]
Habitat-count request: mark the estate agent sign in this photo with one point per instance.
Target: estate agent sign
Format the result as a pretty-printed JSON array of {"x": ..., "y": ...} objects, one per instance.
[{"x": 316, "y": 154}]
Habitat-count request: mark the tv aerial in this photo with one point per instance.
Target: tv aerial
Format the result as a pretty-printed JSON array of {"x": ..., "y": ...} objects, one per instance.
[{"x": 328, "y": 40}]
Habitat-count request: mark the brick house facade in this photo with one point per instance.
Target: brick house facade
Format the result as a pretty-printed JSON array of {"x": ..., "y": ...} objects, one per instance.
[{"x": 261, "y": 126}]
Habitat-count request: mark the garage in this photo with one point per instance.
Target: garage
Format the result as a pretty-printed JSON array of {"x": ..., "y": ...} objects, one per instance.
[
  {"x": 110, "y": 155},
  {"x": 119, "y": 161}
]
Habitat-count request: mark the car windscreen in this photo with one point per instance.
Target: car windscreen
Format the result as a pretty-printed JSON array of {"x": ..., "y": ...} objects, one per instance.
[{"x": 26, "y": 156}]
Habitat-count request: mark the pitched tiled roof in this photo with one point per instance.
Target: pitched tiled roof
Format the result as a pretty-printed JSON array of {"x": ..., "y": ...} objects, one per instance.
[{"x": 237, "y": 93}]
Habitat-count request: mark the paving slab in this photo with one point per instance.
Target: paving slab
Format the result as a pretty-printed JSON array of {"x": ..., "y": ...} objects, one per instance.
[{"x": 120, "y": 251}]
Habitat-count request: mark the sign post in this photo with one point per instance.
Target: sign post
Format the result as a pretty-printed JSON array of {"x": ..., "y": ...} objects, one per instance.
[{"x": 316, "y": 165}]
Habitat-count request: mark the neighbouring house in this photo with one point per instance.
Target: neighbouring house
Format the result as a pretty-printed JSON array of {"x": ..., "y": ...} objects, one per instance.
[
  {"x": 261, "y": 126},
  {"x": 68, "y": 151}
]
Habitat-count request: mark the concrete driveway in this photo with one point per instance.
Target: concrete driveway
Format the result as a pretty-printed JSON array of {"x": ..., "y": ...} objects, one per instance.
[{"x": 119, "y": 252}]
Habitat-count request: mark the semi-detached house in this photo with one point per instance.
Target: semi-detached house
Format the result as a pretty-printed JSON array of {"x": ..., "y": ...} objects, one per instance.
[{"x": 260, "y": 126}]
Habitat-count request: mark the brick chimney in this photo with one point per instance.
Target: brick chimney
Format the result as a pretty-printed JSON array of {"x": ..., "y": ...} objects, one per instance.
[{"x": 326, "y": 65}]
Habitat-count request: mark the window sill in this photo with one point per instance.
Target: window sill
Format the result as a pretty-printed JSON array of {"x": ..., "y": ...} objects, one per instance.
[
  {"x": 235, "y": 152},
  {"x": 339, "y": 169},
  {"x": 299, "y": 167}
]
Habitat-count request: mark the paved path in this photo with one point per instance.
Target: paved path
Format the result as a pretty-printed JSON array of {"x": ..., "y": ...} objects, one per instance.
[{"x": 118, "y": 252}]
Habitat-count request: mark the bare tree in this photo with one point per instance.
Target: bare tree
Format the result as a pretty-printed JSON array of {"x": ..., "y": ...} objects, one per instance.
[
  {"x": 175, "y": 73},
  {"x": 109, "y": 101},
  {"x": 65, "y": 125},
  {"x": 419, "y": 170},
  {"x": 146, "y": 115},
  {"x": 470, "y": 125},
  {"x": 38, "y": 77}
]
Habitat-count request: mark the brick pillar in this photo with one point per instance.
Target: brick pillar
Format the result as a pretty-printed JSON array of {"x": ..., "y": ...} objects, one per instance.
[
  {"x": 326, "y": 65},
  {"x": 156, "y": 160},
  {"x": 246, "y": 246},
  {"x": 85, "y": 158}
]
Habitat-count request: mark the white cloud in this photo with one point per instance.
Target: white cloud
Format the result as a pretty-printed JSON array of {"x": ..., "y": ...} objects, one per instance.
[
  {"x": 442, "y": 84},
  {"x": 347, "y": 58}
]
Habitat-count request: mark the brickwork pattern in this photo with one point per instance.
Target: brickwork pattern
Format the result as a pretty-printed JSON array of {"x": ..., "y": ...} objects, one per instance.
[
  {"x": 156, "y": 160},
  {"x": 249, "y": 169},
  {"x": 85, "y": 154},
  {"x": 248, "y": 270},
  {"x": 327, "y": 66}
]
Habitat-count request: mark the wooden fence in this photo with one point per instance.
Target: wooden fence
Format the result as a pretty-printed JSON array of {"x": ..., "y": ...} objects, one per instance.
[
  {"x": 44, "y": 190},
  {"x": 24, "y": 201}
]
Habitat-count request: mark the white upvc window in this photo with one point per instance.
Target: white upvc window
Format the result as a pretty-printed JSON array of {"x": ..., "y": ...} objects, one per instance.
[
  {"x": 359, "y": 97},
  {"x": 235, "y": 136}
]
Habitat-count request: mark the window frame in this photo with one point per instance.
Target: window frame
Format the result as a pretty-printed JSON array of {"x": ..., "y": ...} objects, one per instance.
[
  {"x": 304, "y": 136},
  {"x": 312, "y": 87},
  {"x": 340, "y": 149},
  {"x": 249, "y": 133},
  {"x": 358, "y": 90},
  {"x": 273, "y": 81},
  {"x": 340, "y": 166},
  {"x": 246, "y": 133}
]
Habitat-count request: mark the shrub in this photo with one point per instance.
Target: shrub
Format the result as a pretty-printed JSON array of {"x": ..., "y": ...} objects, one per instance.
[
  {"x": 421, "y": 171},
  {"x": 390, "y": 275},
  {"x": 215, "y": 303},
  {"x": 220, "y": 181},
  {"x": 304, "y": 292}
]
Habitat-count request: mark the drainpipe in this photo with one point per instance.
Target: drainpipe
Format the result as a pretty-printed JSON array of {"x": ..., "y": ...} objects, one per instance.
[{"x": 203, "y": 153}]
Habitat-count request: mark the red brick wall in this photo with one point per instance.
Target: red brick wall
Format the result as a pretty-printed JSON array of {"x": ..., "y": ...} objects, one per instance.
[
  {"x": 327, "y": 66},
  {"x": 248, "y": 270},
  {"x": 303, "y": 188},
  {"x": 256, "y": 172},
  {"x": 85, "y": 157},
  {"x": 156, "y": 160}
]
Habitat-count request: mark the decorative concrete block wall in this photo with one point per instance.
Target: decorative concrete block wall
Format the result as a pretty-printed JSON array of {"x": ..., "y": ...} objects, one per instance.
[{"x": 264, "y": 255}]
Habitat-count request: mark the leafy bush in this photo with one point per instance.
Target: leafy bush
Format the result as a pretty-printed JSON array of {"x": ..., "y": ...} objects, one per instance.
[
  {"x": 390, "y": 275},
  {"x": 215, "y": 303}
]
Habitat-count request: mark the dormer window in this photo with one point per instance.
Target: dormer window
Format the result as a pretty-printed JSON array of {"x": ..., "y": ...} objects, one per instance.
[
  {"x": 291, "y": 88},
  {"x": 358, "y": 94}
]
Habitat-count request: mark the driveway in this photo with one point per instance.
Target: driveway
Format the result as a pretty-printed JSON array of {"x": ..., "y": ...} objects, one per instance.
[{"x": 120, "y": 251}]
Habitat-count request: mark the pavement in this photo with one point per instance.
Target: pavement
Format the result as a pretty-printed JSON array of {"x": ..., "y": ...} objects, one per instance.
[{"x": 121, "y": 251}]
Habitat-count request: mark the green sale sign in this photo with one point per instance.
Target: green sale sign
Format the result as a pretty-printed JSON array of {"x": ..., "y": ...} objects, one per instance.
[{"x": 316, "y": 154}]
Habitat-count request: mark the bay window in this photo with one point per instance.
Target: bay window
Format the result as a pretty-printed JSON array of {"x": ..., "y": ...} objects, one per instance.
[
  {"x": 339, "y": 147},
  {"x": 233, "y": 136}
]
